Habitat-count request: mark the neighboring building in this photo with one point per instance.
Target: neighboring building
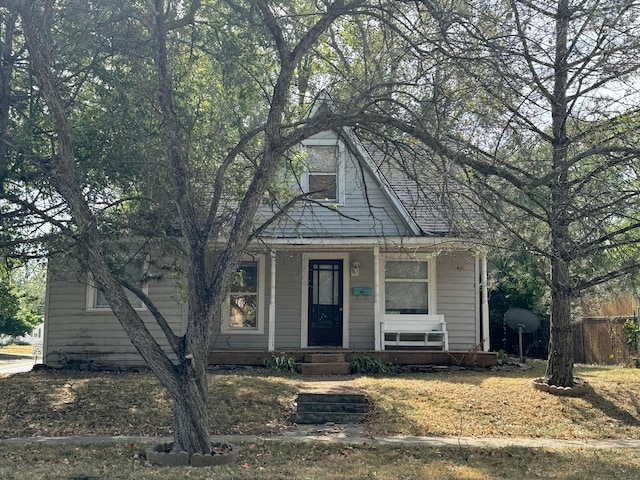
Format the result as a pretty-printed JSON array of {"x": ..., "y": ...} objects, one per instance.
[{"x": 370, "y": 248}]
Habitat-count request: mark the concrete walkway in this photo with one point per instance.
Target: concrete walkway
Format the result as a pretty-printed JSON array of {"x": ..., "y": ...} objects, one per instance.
[{"x": 350, "y": 434}]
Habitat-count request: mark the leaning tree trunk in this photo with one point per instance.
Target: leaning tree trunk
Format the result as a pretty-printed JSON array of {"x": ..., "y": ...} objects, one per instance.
[{"x": 560, "y": 365}]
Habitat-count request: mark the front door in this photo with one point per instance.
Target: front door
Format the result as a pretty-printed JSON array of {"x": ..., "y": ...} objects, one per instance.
[{"x": 325, "y": 303}]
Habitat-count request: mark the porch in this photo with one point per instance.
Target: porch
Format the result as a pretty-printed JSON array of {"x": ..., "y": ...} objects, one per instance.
[{"x": 400, "y": 357}]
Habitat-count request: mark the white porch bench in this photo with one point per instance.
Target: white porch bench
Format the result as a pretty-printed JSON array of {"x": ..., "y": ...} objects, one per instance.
[{"x": 414, "y": 331}]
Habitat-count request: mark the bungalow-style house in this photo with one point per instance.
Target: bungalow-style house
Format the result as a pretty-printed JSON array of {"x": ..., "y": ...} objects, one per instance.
[{"x": 369, "y": 265}]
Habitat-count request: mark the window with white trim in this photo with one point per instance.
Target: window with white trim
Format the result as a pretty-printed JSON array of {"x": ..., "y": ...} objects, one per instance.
[
  {"x": 135, "y": 272},
  {"x": 322, "y": 178},
  {"x": 245, "y": 304},
  {"x": 406, "y": 287}
]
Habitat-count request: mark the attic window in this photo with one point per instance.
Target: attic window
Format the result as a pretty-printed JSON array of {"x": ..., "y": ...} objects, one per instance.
[{"x": 323, "y": 173}]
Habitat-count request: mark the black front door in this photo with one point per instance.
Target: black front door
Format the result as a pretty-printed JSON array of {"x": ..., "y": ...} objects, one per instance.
[{"x": 325, "y": 303}]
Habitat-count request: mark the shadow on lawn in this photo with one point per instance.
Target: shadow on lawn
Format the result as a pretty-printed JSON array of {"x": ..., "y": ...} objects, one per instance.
[
  {"x": 259, "y": 403},
  {"x": 611, "y": 409}
]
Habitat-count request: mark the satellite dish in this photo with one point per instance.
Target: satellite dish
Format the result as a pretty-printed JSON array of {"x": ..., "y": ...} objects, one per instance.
[{"x": 523, "y": 321}]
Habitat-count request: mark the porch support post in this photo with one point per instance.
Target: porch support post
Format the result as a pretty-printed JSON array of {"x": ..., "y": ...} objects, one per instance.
[
  {"x": 376, "y": 299},
  {"x": 486, "y": 345},
  {"x": 272, "y": 304},
  {"x": 477, "y": 275}
]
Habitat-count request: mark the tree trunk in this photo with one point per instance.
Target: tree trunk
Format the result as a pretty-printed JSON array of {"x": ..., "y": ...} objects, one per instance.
[
  {"x": 560, "y": 365},
  {"x": 191, "y": 422}
]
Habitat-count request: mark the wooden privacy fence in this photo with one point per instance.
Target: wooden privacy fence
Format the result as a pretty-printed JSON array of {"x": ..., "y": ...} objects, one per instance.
[{"x": 601, "y": 340}]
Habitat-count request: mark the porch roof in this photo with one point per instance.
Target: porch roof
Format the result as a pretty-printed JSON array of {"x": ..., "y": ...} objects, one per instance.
[{"x": 390, "y": 243}]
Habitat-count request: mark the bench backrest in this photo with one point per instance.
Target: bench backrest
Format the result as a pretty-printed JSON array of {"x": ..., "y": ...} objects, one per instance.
[{"x": 414, "y": 323}]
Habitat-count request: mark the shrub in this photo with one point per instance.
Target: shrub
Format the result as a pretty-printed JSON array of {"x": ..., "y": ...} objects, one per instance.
[
  {"x": 281, "y": 362},
  {"x": 372, "y": 366},
  {"x": 631, "y": 330}
]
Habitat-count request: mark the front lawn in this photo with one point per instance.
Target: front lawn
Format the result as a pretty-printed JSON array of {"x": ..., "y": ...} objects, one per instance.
[
  {"x": 301, "y": 461},
  {"x": 463, "y": 403}
]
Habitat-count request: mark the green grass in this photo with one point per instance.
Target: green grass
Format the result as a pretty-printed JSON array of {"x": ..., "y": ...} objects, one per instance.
[{"x": 275, "y": 461}]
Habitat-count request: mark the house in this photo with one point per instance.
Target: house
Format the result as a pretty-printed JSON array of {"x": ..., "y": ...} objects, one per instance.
[{"x": 368, "y": 251}]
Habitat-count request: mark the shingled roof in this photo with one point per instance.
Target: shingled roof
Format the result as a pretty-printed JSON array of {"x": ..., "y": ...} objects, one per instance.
[{"x": 419, "y": 190}]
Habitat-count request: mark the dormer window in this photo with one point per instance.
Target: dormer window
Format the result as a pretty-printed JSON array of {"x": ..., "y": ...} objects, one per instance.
[{"x": 323, "y": 173}]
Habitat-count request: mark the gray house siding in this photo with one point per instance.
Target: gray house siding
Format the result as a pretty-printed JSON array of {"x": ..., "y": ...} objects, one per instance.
[
  {"x": 288, "y": 300},
  {"x": 97, "y": 336},
  {"x": 366, "y": 212},
  {"x": 361, "y": 307},
  {"x": 457, "y": 298}
]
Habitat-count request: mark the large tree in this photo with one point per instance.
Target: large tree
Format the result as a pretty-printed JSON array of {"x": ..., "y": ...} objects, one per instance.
[
  {"x": 165, "y": 122},
  {"x": 535, "y": 111}
]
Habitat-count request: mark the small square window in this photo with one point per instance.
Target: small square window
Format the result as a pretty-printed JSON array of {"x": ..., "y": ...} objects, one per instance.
[
  {"x": 322, "y": 186},
  {"x": 135, "y": 272},
  {"x": 322, "y": 159}
]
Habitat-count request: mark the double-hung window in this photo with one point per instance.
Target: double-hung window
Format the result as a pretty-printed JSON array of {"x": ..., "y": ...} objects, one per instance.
[
  {"x": 322, "y": 181},
  {"x": 406, "y": 287},
  {"x": 245, "y": 305}
]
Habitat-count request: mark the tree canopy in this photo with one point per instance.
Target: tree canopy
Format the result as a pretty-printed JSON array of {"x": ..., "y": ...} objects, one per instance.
[
  {"x": 164, "y": 124},
  {"x": 535, "y": 109}
]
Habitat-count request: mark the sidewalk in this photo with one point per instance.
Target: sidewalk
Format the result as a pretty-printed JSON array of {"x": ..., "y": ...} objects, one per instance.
[{"x": 351, "y": 434}]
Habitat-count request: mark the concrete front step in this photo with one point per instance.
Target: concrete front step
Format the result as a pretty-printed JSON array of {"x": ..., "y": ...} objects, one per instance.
[
  {"x": 325, "y": 368},
  {"x": 319, "y": 418},
  {"x": 319, "y": 408},
  {"x": 324, "y": 358},
  {"x": 333, "y": 407},
  {"x": 353, "y": 398}
]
